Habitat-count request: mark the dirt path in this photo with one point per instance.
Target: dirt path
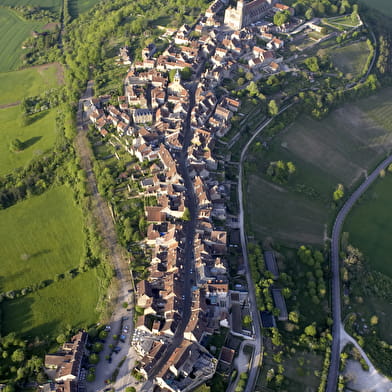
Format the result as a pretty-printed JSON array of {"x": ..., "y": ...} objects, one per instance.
[
  {"x": 118, "y": 292},
  {"x": 9, "y": 105},
  {"x": 365, "y": 381}
]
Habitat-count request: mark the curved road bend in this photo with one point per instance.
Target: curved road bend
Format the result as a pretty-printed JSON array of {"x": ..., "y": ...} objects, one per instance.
[
  {"x": 106, "y": 227},
  {"x": 189, "y": 228},
  {"x": 254, "y": 367},
  {"x": 335, "y": 245}
]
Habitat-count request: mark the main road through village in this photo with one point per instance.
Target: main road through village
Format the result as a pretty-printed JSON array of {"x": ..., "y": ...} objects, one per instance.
[{"x": 188, "y": 255}]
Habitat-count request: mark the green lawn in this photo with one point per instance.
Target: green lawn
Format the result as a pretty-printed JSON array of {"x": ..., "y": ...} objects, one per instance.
[
  {"x": 55, "y": 308},
  {"x": 370, "y": 225},
  {"x": 40, "y": 237},
  {"x": 37, "y": 137},
  {"x": 13, "y": 31},
  {"x": 350, "y": 59},
  {"x": 28, "y": 82},
  {"x": 338, "y": 149}
]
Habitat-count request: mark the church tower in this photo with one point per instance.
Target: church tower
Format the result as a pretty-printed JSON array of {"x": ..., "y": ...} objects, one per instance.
[
  {"x": 177, "y": 77},
  {"x": 240, "y": 12}
]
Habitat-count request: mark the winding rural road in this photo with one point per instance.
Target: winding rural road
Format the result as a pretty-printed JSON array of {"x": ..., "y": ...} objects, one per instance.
[
  {"x": 336, "y": 301},
  {"x": 256, "y": 358}
]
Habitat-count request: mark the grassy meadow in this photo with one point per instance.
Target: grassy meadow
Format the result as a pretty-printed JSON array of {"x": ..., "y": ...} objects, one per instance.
[
  {"x": 38, "y": 137},
  {"x": 53, "y": 5},
  {"x": 41, "y": 237},
  {"x": 13, "y": 31},
  {"x": 28, "y": 82},
  {"x": 370, "y": 225},
  {"x": 84, "y": 5},
  {"x": 383, "y": 6},
  {"x": 52, "y": 310},
  {"x": 337, "y": 150},
  {"x": 350, "y": 59}
]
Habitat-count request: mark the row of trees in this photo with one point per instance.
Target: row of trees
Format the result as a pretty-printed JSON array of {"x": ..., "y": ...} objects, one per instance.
[{"x": 320, "y": 8}]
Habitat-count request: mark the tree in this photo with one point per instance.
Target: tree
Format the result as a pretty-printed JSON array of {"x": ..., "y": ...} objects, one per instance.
[
  {"x": 16, "y": 145},
  {"x": 130, "y": 389},
  {"x": 273, "y": 109},
  {"x": 186, "y": 216},
  {"x": 240, "y": 81},
  {"x": 339, "y": 193},
  {"x": 291, "y": 168},
  {"x": 91, "y": 377},
  {"x": 310, "y": 330},
  {"x": 97, "y": 347},
  {"x": 374, "y": 320},
  {"x": 312, "y": 64},
  {"x": 247, "y": 320},
  {"x": 280, "y": 18},
  {"x": 276, "y": 338},
  {"x": 103, "y": 335},
  {"x": 94, "y": 359},
  {"x": 41, "y": 377},
  {"x": 249, "y": 76},
  {"x": 186, "y": 73},
  {"x": 18, "y": 355},
  {"x": 309, "y": 14},
  {"x": 294, "y": 316},
  {"x": 253, "y": 89}
]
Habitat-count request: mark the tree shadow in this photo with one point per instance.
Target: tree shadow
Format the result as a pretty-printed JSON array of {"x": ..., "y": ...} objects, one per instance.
[
  {"x": 38, "y": 116},
  {"x": 40, "y": 253},
  {"x": 19, "y": 317},
  {"x": 29, "y": 142}
]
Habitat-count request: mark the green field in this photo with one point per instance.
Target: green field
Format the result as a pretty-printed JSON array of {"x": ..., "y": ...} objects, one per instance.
[
  {"x": 28, "y": 82},
  {"x": 370, "y": 225},
  {"x": 53, "y": 5},
  {"x": 85, "y": 5},
  {"x": 40, "y": 237},
  {"x": 350, "y": 59},
  {"x": 54, "y": 309},
  {"x": 337, "y": 150},
  {"x": 37, "y": 137},
  {"x": 13, "y": 31},
  {"x": 382, "y": 5}
]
